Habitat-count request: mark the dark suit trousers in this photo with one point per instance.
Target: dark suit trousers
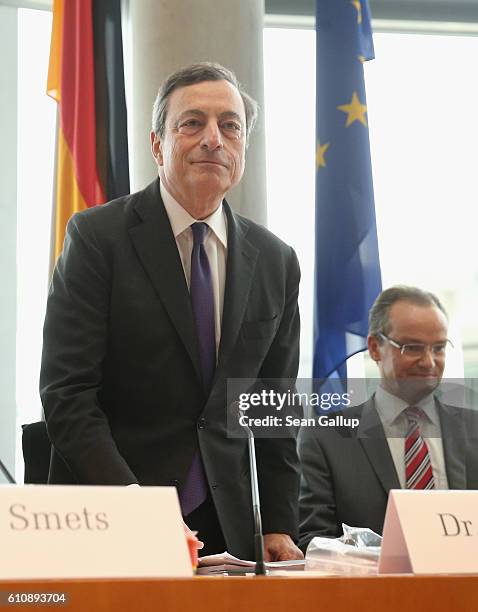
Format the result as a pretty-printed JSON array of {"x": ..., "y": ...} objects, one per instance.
[{"x": 204, "y": 520}]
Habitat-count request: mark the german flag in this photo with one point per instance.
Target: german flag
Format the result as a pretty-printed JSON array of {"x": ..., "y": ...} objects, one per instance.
[{"x": 86, "y": 78}]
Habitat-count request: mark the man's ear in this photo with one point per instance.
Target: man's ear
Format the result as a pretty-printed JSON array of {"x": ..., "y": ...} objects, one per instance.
[
  {"x": 373, "y": 347},
  {"x": 156, "y": 148}
]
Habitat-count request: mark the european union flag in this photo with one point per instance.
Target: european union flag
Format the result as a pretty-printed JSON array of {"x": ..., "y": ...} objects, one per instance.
[{"x": 347, "y": 267}]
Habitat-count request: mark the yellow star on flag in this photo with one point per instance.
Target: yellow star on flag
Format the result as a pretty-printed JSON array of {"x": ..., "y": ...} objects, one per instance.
[
  {"x": 358, "y": 6},
  {"x": 355, "y": 110},
  {"x": 320, "y": 154}
]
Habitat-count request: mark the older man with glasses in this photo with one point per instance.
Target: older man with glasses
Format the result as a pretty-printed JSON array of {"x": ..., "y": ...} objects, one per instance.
[{"x": 406, "y": 438}]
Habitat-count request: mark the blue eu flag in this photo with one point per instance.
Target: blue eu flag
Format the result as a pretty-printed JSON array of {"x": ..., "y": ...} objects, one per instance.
[{"x": 347, "y": 267}]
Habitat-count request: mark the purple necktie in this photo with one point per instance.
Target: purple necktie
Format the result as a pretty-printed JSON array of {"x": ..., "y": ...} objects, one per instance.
[{"x": 194, "y": 491}]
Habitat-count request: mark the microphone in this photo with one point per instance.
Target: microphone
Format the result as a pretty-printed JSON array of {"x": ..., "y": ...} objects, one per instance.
[
  {"x": 256, "y": 506},
  {"x": 6, "y": 473}
]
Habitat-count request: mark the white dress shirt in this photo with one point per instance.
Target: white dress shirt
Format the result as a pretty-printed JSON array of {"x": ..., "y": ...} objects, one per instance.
[
  {"x": 395, "y": 424},
  {"x": 215, "y": 246}
]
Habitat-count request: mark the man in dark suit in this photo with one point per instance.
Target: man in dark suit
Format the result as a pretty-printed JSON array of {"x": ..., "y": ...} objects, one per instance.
[
  {"x": 157, "y": 299},
  {"x": 405, "y": 438}
]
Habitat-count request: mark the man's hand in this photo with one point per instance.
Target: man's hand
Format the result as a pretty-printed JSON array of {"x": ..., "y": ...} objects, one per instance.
[{"x": 280, "y": 547}]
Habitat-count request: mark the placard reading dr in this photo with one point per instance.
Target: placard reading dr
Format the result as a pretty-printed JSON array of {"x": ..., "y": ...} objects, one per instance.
[
  {"x": 430, "y": 532},
  {"x": 91, "y": 532}
]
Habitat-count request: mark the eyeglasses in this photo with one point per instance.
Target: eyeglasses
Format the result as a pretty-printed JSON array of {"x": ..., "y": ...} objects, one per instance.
[{"x": 416, "y": 349}]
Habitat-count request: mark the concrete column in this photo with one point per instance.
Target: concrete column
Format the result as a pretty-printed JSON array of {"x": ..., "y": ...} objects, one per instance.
[
  {"x": 8, "y": 233},
  {"x": 166, "y": 35}
]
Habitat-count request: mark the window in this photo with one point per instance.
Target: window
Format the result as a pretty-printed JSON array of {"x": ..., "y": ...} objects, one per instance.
[
  {"x": 420, "y": 100},
  {"x": 289, "y": 84},
  {"x": 36, "y": 157}
]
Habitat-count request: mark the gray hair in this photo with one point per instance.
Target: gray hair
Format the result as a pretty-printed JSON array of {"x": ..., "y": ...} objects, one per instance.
[
  {"x": 378, "y": 320},
  {"x": 198, "y": 73}
]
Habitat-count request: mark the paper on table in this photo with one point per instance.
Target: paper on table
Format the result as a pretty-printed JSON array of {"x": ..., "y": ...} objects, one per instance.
[
  {"x": 223, "y": 559},
  {"x": 225, "y": 562}
]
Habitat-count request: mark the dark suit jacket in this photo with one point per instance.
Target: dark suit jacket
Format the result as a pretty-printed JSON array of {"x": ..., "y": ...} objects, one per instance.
[
  {"x": 347, "y": 474},
  {"x": 120, "y": 380}
]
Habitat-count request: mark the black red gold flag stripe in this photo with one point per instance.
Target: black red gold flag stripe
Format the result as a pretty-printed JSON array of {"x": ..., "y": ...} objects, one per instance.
[{"x": 86, "y": 78}]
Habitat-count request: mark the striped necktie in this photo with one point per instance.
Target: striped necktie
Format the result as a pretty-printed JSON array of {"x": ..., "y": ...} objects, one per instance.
[{"x": 418, "y": 467}]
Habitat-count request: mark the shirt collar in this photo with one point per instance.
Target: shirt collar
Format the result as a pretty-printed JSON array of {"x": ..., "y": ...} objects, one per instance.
[
  {"x": 390, "y": 407},
  {"x": 180, "y": 219}
]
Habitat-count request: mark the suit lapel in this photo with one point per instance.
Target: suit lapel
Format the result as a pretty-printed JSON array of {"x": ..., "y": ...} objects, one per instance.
[
  {"x": 241, "y": 262},
  {"x": 156, "y": 247},
  {"x": 453, "y": 437},
  {"x": 372, "y": 438}
]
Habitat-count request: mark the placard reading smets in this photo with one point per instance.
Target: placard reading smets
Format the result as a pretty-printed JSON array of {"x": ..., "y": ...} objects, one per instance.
[
  {"x": 430, "y": 532},
  {"x": 91, "y": 532}
]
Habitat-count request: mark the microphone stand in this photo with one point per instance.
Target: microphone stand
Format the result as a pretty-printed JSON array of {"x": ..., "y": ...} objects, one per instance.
[{"x": 256, "y": 506}]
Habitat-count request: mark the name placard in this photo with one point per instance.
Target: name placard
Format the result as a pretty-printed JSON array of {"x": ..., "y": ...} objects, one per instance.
[
  {"x": 91, "y": 532},
  {"x": 430, "y": 532}
]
